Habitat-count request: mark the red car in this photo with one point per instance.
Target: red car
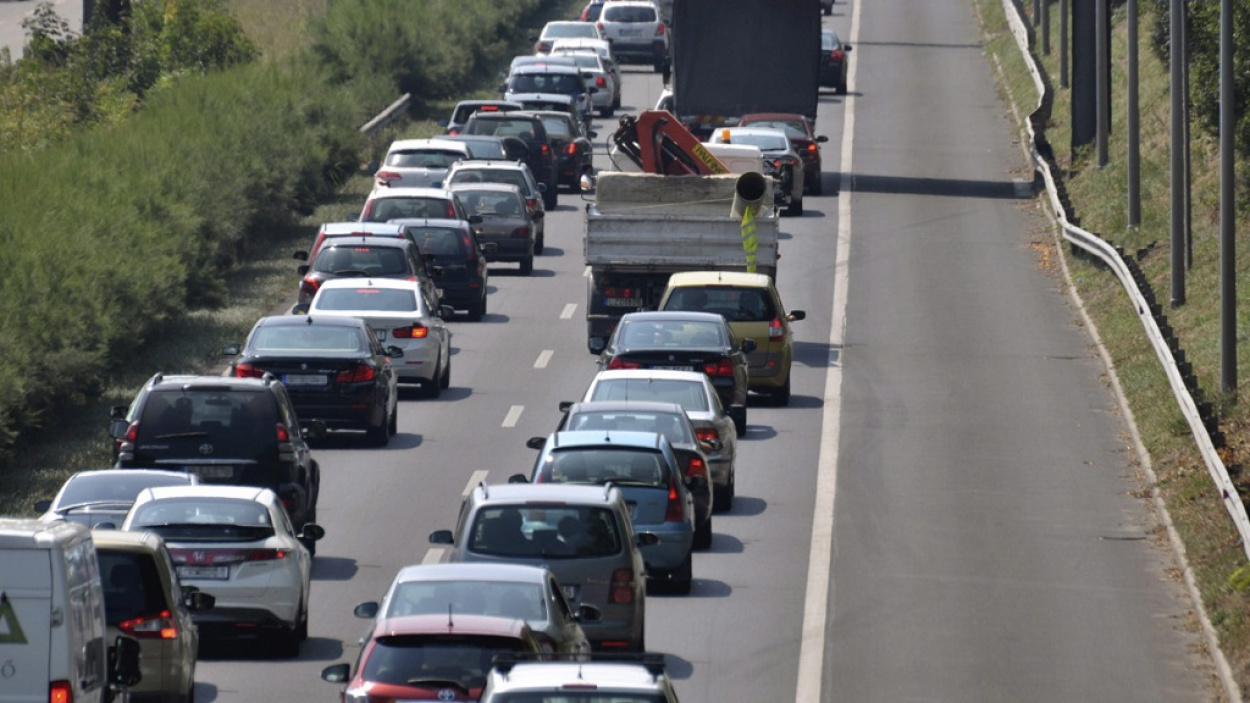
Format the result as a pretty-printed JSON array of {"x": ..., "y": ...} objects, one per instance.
[
  {"x": 805, "y": 141},
  {"x": 442, "y": 657}
]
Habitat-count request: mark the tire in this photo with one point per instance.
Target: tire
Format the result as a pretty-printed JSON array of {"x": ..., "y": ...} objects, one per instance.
[
  {"x": 286, "y": 643},
  {"x": 682, "y": 577},
  {"x": 444, "y": 381},
  {"x": 551, "y": 198},
  {"x": 301, "y": 630},
  {"x": 606, "y": 111},
  {"x": 795, "y": 209},
  {"x": 741, "y": 427},
  {"x": 818, "y": 188},
  {"x": 392, "y": 425},
  {"x": 477, "y": 310},
  {"x": 377, "y": 434},
  {"x": 659, "y": 67},
  {"x": 540, "y": 243},
  {"x": 722, "y": 499},
  {"x": 840, "y": 88},
  {"x": 434, "y": 387},
  {"x": 781, "y": 396},
  {"x": 616, "y": 102},
  {"x": 829, "y": 9},
  {"x": 703, "y": 534},
  {"x": 527, "y": 266}
]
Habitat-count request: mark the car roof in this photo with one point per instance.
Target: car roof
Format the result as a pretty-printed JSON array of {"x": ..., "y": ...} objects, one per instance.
[
  {"x": 364, "y": 229},
  {"x": 653, "y": 374},
  {"x": 363, "y": 282},
  {"x": 607, "y": 406},
  {"x": 472, "y": 571},
  {"x": 106, "y": 473},
  {"x": 450, "y": 625},
  {"x": 624, "y": 676},
  {"x": 755, "y": 131},
  {"x": 587, "y": 42},
  {"x": 407, "y": 192},
  {"x": 163, "y": 383},
  {"x": 209, "y": 490},
  {"x": 487, "y": 164},
  {"x": 409, "y": 222},
  {"x": 513, "y": 493},
  {"x": 392, "y": 242},
  {"x": 310, "y": 320},
  {"x": 631, "y": 439},
  {"x": 555, "y": 113},
  {"x": 661, "y": 315},
  {"x": 547, "y": 67},
  {"x": 434, "y": 143},
  {"x": 773, "y": 116},
  {"x": 496, "y": 187},
  {"x": 740, "y": 279}
]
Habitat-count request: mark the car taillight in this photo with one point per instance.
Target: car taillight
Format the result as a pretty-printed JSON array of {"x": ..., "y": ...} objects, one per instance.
[
  {"x": 619, "y": 363},
  {"x": 811, "y": 146},
  {"x": 777, "y": 163},
  {"x": 60, "y": 692},
  {"x": 248, "y": 371},
  {"x": 696, "y": 468},
  {"x": 283, "y": 435},
  {"x": 384, "y": 178},
  {"x": 308, "y": 288},
  {"x": 724, "y": 367},
  {"x": 544, "y": 148},
  {"x": 707, "y": 434},
  {"x": 600, "y": 26},
  {"x": 600, "y": 82},
  {"x": 132, "y": 432},
  {"x": 531, "y": 203},
  {"x": 836, "y": 55},
  {"x": 453, "y": 131},
  {"x": 521, "y": 232},
  {"x": 468, "y": 247},
  {"x": 673, "y": 511},
  {"x": 659, "y": 30},
  {"x": 622, "y": 588},
  {"x": 159, "y": 626},
  {"x": 775, "y": 330},
  {"x": 223, "y": 557},
  {"x": 572, "y": 149},
  {"x": 358, "y": 374},
  {"x": 415, "y": 331}
]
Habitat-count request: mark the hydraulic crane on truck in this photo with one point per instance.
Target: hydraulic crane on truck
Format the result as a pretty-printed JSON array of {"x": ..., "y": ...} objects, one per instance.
[{"x": 658, "y": 143}]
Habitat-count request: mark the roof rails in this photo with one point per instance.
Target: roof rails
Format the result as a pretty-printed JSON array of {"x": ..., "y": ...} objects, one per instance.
[{"x": 654, "y": 662}]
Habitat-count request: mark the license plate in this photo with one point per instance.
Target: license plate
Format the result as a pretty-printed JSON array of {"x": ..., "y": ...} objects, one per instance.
[
  {"x": 631, "y": 32},
  {"x": 219, "y": 573},
  {"x": 623, "y": 302},
  {"x": 570, "y": 593},
  {"x": 305, "y": 379},
  {"x": 675, "y": 368},
  {"x": 213, "y": 471}
]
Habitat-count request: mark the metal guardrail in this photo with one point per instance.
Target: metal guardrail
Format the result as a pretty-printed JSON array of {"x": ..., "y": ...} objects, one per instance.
[
  {"x": 1147, "y": 310},
  {"x": 388, "y": 115}
]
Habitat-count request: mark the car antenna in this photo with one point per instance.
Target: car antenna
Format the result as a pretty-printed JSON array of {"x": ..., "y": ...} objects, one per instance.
[{"x": 308, "y": 321}]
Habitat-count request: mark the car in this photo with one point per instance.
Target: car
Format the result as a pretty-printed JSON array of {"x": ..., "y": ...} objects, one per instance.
[
  {"x": 490, "y": 148},
  {"x": 637, "y": 32},
  {"x": 643, "y": 465},
  {"x": 603, "y": 50},
  {"x": 334, "y": 369},
  {"x": 595, "y": 70},
  {"x": 780, "y": 159},
  {"x": 530, "y": 82},
  {"x": 552, "y": 102},
  {"x": 506, "y": 221},
  {"x": 529, "y": 593},
  {"x": 104, "y": 496},
  {"x": 574, "y": 153},
  {"x": 641, "y": 680},
  {"x": 509, "y": 172},
  {"x": 228, "y": 431},
  {"x": 752, "y": 306},
  {"x": 519, "y": 523},
  {"x": 464, "y": 109},
  {"x": 538, "y": 60},
  {"x": 529, "y": 128},
  {"x": 455, "y": 251},
  {"x": 592, "y": 10},
  {"x": 330, "y": 230},
  {"x": 683, "y": 341},
  {"x": 444, "y": 657},
  {"x": 668, "y": 419},
  {"x": 398, "y": 313},
  {"x": 144, "y": 599},
  {"x": 238, "y": 545},
  {"x": 833, "y": 61},
  {"x": 564, "y": 30},
  {"x": 386, "y": 204},
  {"x": 418, "y": 163},
  {"x": 806, "y": 142},
  {"x": 391, "y": 256},
  {"x": 693, "y": 391}
]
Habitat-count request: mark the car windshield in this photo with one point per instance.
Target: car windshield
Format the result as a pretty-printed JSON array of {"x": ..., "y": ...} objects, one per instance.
[
  {"x": 571, "y": 696},
  {"x": 132, "y": 585},
  {"x": 631, "y": 467},
  {"x": 570, "y": 29},
  {"x": 201, "y": 413},
  {"x": 674, "y": 428},
  {"x": 366, "y": 260},
  {"x": 628, "y": 13},
  {"x": 114, "y": 486},
  {"x": 486, "y": 149},
  {"x": 464, "y": 112},
  {"x": 520, "y": 601},
  {"x": 555, "y": 531},
  {"x": 492, "y": 204},
  {"x": 423, "y": 158},
  {"x": 688, "y": 394},
  {"x": 646, "y": 334},
  {"x": 365, "y": 298},
  {"x": 566, "y": 83},
  {"x": 306, "y": 339},
  {"x": 792, "y": 128},
  {"x": 439, "y": 241},
  {"x": 736, "y": 304},
  {"x": 434, "y": 660},
  {"x": 557, "y": 127},
  {"x": 203, "y": 519},
  {"x": 765, "y": 142},
  {"x": 398, "y": 207}
]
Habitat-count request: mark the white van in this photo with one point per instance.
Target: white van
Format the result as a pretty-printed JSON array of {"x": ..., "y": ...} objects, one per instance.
[{"x": 52, "y": 644}]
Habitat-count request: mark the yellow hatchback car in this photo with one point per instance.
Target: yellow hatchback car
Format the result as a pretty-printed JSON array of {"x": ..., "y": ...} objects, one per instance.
[{"x": 751, "y": 305}]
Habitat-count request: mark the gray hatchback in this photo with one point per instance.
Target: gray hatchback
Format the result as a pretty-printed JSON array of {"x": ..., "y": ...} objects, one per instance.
[{"x": 582, "y": 533}]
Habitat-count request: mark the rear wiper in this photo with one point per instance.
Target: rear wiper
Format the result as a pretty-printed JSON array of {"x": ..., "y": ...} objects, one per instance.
[
  {"x": 93, "y": 504},
  {"x": 181, "y": 435}
]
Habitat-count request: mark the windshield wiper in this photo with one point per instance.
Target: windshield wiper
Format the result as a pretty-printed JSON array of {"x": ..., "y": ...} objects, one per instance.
[
  {"x": 181, "y": 435},
  {"x": 93, "y": 504}
]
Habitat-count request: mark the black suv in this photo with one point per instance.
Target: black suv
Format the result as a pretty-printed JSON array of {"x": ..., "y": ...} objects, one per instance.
[
  {"x": 529, "y": 128},
  {"x": 234, "y": 431},
  {"x": 452, "y": 246}
]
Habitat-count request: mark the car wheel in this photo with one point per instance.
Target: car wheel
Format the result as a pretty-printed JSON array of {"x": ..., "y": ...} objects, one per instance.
[
  {"x": 527, "y": 266},
  {"x": 301, "y": 630},
  {"x": 722, "y": 499},
  {"x": 740, "y": 425},
  {"x": 605, "y": 111},
  {"x": 781, "y": 396},
  {"x": 286, "y": 643},
  {"x": 540, "y": 242},
  {"x": 840, "y": 88},
  {"x": 829, "y": 9},
  {"x": 818, "y": 188},
  {"x": 659, "y": 67},
  {"x": 795, "y": 208},
  {"x": 392, "y": 426},
  {"x": 433, "y": 388},
  {"x": 703, "y": 534},
  {"x": 551, "y": 197},
  {"x": 444, "y": 381},
  {"x": 616, "y": 102},
  {"x": 680, "y": 580},
  {"x": 377, "y": 434}
]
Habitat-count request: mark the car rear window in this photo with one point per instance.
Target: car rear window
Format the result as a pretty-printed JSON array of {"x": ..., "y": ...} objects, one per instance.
[
  {"x": 492, "y": 204},
  {"x": 132, "y": 585},
  {"x": 503, "y": 128},
  {"x": 486, "y": 149},
  {"x": 86, "y": 488},
  {"x": 496, "y": 175},
  {"x": 205, "y": 414},
  {"x": 557, "y": 127},
  {"x": 439, "y": 241},
  {"x": 464, "y": 112},
  {"x": 736, "y": 304},
  {"x": 365, "y": 298},
  {"x": 408, "y": 660},
  {"x": 204, "y": 519},
  {"x": 306, "y": 339},
  {"x": 566, "y": 83},
  {"x": 675, "y": 429},
  {"x": 671, "y": 333},
  {"x": 627, "y": 467},
  {"x": 394, "y": 208},
  {"x": 688, "y": 394},
  {"x": 521, "y": 601},
  {"x": 423, "y": 158},
  {"x": 570, "y": 29},
  {"x": 628, "y": 13},
  {"x": 554, "y": 531},
  {"x": 367, "y": 260}
]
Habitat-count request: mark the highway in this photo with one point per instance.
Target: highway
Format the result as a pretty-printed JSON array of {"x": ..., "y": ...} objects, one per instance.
[{"x": 949, "y": 418}]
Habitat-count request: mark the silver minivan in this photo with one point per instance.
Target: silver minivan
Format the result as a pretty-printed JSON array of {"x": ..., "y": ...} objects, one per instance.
[{"x": 583, "y": 534}]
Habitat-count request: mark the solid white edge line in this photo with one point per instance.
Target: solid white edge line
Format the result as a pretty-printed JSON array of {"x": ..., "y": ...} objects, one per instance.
[
  {"x": 544, "y": 358},
  {"x": 820, "y": 558},
  {"x": 567, "y": 312},
  {"x": 514, "y": 414}
]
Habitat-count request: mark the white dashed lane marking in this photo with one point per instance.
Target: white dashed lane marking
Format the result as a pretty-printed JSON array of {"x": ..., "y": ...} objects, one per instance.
[
  {"x": 514, "y": 414},
  {"x": 543, "y": 359},
  {"x": 567, "y": 313}
]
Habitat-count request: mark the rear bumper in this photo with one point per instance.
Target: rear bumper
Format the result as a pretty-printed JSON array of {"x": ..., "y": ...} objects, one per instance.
[
  {"x": 338, "y": 412},
  {"x": 242, "y": 622},
  {"x": 676, "y": 541},
  {"x": 418, "y": 362},
  {"x": 510, "y": 249},
  {"x": 646, "y": 52},
  {"x": 461, "y": 295}
]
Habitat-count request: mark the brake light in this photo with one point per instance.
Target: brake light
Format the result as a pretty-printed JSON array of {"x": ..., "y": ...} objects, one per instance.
[
  {"x": 531, "y": 203},
  {"x": 384, "y": 178},
  {"x": 308, "y": 288},
  {"x": 132, "y": 432},
  {"x": 619, "y": 363},
  {"x": 60, "y": 692},
  {"x": 283, "y": 435},
  {"x": 659, "y": 30},
  {"x": 777, "y": 163},
  {"x": 707, "y": 434},
  {"x": 572, "y": 149},
  {"x": 358, "y": 374},
  {"x": 416, "y": 331},
  {"x": 836, "y": 55},
  {"x": 544, "y": 148},
  {"x": 600, "y": 82},
  {"x": 521, "y": 232},
  {"x": 696, "y": 468},
  {"x": 673, "y": 511},
  {"x": 224, "y": 557},
  {"x": 622, "y": 587},
  {"x": 160, "y": 626},
  {"x": 724, "y": 367},
  {"x": 453, "y": 131},
  {"x": 599, "y": 25},
  {"x": 248, "y": 371},
  {"x": 811, "y": 146}
]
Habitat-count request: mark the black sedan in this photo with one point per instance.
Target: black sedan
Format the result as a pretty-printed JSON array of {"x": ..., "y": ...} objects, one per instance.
[
  {"x": 683, "y": 341},
  {"x": 833, "y": 61},
  {"x": 334, "y": 369},
  {"x": 574, "y": 153}
]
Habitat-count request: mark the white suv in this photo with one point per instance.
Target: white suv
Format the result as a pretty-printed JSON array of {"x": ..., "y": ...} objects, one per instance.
[
  {"x": 639, "y": 679},
  {"x": 636, "y": 32}
]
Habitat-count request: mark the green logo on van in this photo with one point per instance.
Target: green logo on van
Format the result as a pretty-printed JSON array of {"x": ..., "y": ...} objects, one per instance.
[{"x": 10, "y": 628}]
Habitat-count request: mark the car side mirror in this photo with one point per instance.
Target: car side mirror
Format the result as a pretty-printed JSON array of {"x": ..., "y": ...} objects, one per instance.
[
  {"x": 302, "y": 269},
  {"x": 597, "y": 345},
  {"x": 542, "y": 187},
  {"x": 475, "y": 219},
  {"x": 441, "y": 537},
  {"x": 123, "y": 663},
  {"x": 796, "y": 315},
  {"x": 586, "y": 183},
  {"x": 646, "y": 539},
  {"x": 503, "y": 87},
  {"x": 118, "y": 429},
  {"x": 394, "y": 352},
  {"x": 312, "y": 532},
  {"x": 198, "y": 601},
  {"x": 711, "y": 445},
  {"x": 233, "y": 348},
  {"x": 592, "y": 135},
  {"x": 366, "y": 611},
  {"x": 518, "y": 478},
  {"x": 313, "y": 429},
  {"x": 535, "y": 442},
  {"x": 565, "y": 405},
  {"x": 443, "y": 123},
  {"x": 821, "y": 139},
  {"x": 43, "y": 505},
  {"x": 301, "y": 308},
  {"x": 747, "y": 345},
  {"x": 300, "y": 256},
  {"x": 118, "y": 412},
  {"x": 446, "y": 311},
  {"x": 336, "y": 673},
  {"x": 846, "y": 47},
  {"x": 587, "y": 613}
]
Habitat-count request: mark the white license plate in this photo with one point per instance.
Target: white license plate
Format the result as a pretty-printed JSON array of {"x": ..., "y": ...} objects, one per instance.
[
  {"x": 219, "y": 573},
  {"x": 570, "y": 593},
  {"x": 623, "y": 302},
  {"x": 631, "y": 32},
  {"x": 305, "y": 379},
  {"x": 212, "y": 471},
  {"x": 675, "y": 368}
]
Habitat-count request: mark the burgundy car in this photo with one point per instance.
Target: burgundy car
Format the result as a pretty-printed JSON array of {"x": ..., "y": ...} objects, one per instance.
[{"x": 801, "y": 135}]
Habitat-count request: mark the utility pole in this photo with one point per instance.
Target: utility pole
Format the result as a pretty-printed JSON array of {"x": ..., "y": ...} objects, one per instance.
[
  {"x": 1134, "y": 122},
  {"x": 1228, "y": 220},
  {"x": 1177, "y": 85},
  {"x": 1085, "y": 73},
  {"x": 1102, "y": 82},
  {"x": 1045, "y": 27},
  {"x": 1063, "y": 43}
]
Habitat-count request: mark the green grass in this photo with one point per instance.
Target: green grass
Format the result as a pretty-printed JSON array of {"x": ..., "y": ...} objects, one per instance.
[{"x": 1211, "y": 543}]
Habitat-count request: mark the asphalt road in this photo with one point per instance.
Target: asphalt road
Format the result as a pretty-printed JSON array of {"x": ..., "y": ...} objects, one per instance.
[
  {"x": 12, "y": 13},
  {"x": 986, "y": 543}
]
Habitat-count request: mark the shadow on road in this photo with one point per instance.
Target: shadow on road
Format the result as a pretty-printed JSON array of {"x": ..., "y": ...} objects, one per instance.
[{"x": 333, "y": 568}]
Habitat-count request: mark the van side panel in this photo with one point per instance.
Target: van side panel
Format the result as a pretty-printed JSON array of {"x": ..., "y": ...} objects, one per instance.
[
  {"x": 84, "y": 622},
  {"x": 25, "y": 625}
]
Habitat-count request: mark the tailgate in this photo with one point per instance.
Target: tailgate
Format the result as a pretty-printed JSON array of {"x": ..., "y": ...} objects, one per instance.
[{"x": 25, "y": 627}]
